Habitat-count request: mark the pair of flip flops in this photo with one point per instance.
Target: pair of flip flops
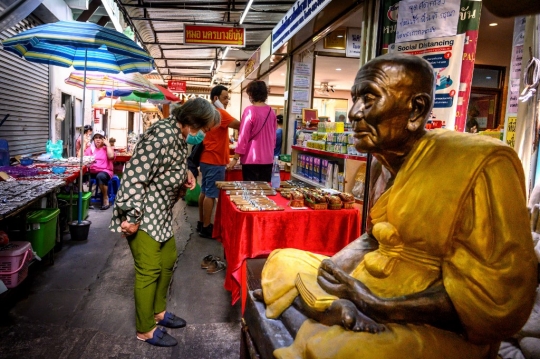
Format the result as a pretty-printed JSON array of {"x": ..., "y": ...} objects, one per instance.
[{"x": 213, "y": 264}]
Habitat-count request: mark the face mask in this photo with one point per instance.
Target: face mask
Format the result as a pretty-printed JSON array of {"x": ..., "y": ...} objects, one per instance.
[
  {"x": 195, "y": 140},
  {"x": 218, "y": 104}
]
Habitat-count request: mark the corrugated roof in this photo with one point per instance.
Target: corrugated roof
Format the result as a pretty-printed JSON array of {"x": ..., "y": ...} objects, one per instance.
[{"x": 159, "y": 25}]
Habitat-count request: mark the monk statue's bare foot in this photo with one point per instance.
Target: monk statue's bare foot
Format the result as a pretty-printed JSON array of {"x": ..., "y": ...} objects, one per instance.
[
  {"x": 352, "y": 318},
  {"x": 258, "y": 295}
]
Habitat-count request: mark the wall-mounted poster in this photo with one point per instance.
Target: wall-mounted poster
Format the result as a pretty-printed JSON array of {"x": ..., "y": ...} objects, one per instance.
[
  {"x": 337, "y": 39},
  {"x": 341, "y": 116},
  {"x": 309, "y": 114}
]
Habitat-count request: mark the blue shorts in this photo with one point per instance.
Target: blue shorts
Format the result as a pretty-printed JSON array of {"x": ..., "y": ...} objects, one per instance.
[{"x": 211, "y": 174}]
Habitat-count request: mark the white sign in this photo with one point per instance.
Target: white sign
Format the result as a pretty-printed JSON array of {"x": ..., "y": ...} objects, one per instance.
[
  {"x": 301, "y": 81},
  {"x": 297, "y": 16},
  {"x": 300, "y": 94},
  {"x": 353, "y": 42},
  {"x": 298, "y": 106},
  {"x": 426, "y": 19},
  {"x": 302, "y": 68}
]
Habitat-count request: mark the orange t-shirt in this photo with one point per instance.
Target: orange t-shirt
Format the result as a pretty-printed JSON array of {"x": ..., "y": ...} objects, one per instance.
[{"x": 216, "y": 142}]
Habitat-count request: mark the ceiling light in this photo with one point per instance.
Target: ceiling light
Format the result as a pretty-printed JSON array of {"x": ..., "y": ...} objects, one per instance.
[
  {"x": 225, "y": 52},
  {"x": 282, "y": 74},
  {"x": 212, "y": 66},
  {"x": 338, "y": 69},
  {"x": 493, "y": 24},
  {"x": 488, "y": 77},
  {"x": 339, "y": 36},
  {"x": 246, "y": 10}
]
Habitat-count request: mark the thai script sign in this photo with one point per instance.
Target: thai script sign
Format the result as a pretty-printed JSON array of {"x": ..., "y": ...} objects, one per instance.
[
  {"x": 214, "y": 35},
  {"x": 297, "y": 16},
  {"x": 177, "y": 86},
  {"x": 354, "y": 36},
  {"x": 425, "y": 19}
]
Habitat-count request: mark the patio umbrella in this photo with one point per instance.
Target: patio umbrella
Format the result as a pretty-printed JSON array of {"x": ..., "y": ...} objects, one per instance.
[
  {"x": 96, "y": 80},
  {"x": 85, "y": 46},
  {"x": 164, "y": 96}
]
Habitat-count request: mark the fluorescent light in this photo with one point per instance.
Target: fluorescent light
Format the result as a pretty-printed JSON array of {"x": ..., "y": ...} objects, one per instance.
[
  {"x": 493, "y": 24},
  {"x": 225, "y": 52},
  {"x": 339, "y": 36},
  {"x": 246, "y": 10},
  {"x": 212, "y": 66},
  {"x": 488, "y": 77},
  {"x": 338, "y": 69}
]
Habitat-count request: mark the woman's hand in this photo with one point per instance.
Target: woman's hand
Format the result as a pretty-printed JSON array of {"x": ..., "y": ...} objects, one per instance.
[
  {"x": 191, "y": 181},
  {"x": 129, "y": 229},
  {"x": 231, "y": 164}
]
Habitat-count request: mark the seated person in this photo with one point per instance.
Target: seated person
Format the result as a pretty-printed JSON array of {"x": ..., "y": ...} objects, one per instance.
[
  {"x": 446, "y": 268},
  {"x": 87, "y": 138},
  {"x": 102, "y": 168}
]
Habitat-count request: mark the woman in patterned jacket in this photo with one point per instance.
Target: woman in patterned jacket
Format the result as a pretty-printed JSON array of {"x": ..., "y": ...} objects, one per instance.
[{"x": 151, "y": 185}]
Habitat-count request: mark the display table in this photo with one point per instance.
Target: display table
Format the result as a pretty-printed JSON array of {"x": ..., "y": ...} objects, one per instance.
[
  {"x": 255, "y": 234},
  {"x": 236, "y": 175}
]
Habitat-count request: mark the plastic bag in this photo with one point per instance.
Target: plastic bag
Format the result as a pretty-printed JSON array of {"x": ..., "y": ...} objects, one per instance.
[
  {"x": 192, "y": 196},
  {"x": 359, "y": 180}
]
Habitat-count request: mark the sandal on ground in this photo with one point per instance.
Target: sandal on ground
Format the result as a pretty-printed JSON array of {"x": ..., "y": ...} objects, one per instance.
[
  {"x": 216, "y": 266},
  {"x": 207, "y": 260},
  {"x": 105, "y": 207},
  {"x": 160, "y": 338},
  {"x": 172, "y": 321}
]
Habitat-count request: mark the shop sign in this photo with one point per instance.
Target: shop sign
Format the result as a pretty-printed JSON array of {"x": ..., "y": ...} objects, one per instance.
[
  {"x": 177, "y": 86},
  {"x": 354, "y": 34},
  {"x": 297, "y": 16},
  {"x": 214, "y": 35}
]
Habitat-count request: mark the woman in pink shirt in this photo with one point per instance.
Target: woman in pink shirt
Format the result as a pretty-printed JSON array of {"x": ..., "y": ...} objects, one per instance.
[
  {"x": 102, "y": 168},
  {"x": 257, "y": 136}
]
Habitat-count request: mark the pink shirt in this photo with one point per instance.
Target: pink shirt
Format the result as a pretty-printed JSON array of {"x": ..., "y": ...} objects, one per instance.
[
  {"x": 257, "y": 135},
  {"x": 102, "y": 163}
]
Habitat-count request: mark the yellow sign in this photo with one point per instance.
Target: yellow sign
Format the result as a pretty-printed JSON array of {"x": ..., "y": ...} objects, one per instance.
[{"x": 511, "y": 131}]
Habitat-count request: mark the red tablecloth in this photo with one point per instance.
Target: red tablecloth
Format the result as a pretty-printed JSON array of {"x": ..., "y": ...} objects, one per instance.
[
  {"x": 255, "y": 234},
  {"x": 236, "y": 175}
]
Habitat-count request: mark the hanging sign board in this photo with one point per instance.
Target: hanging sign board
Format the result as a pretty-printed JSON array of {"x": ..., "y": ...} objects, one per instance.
[
  {"x": 214, "y": 35},
  {"x": 177, "y": 86},
  {"x": 297, "y": 16},
  {"x": 253, "y": 62}
]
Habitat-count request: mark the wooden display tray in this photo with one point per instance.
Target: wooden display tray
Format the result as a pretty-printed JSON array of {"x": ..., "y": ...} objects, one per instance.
[
  {"x": 316, "y": 206},
  {"x": 348, "y": 205}
]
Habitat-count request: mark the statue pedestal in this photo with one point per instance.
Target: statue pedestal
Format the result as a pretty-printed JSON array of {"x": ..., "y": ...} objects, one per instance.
[{"x": 260, "y": 335}]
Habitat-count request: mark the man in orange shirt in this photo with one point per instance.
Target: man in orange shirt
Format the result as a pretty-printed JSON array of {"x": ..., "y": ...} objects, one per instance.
[{"x": 214, "y": 160}]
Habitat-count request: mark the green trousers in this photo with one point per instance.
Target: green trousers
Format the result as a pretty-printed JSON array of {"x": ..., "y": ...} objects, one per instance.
[{"x": 154, "y": 263}]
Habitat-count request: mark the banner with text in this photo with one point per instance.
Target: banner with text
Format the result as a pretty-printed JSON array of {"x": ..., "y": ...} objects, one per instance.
[
  {"x": 214, "y": 35},
  {"x": 297, "y": 16},
  {"x": 444, "y": 54}
]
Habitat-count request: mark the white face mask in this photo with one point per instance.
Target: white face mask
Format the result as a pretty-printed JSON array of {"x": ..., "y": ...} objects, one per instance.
[{"x": 218, "y": 104}]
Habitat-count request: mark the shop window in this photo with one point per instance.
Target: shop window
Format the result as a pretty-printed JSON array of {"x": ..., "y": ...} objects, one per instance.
[{"x": 485, "y": 104}]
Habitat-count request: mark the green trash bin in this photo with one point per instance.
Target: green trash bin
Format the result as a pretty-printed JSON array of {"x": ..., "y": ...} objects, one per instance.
[
  {"x": 85, "y": 203},
  {"x": 41, "y": 229}
]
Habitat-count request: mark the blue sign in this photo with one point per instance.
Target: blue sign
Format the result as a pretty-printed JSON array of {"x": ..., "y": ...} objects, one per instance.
[{"x": 297, "y": 16}]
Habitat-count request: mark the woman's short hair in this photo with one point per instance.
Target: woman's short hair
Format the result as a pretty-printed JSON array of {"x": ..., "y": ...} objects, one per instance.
[
  {"x": 197, "y": 113},
  {"x": 257, "y": 90},
  {"x": 279, "y": 119},
  {"x": 87, "y": 128}
]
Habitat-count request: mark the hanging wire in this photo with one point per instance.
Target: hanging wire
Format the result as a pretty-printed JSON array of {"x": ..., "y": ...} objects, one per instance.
[{"x": 531, "y": 78}]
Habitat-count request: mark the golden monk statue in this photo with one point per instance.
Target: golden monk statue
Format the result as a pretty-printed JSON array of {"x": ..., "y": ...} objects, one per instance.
[{"x": 446, "y": 268}]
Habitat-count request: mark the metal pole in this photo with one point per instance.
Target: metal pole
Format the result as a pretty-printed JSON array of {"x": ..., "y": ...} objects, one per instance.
[{"x": 79, "y": 207}]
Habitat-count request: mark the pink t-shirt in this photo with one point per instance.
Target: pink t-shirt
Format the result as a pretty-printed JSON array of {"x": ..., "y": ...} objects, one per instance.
[
  {"x": 257, "y": 135},
  {"x": 102, "y": 163}
]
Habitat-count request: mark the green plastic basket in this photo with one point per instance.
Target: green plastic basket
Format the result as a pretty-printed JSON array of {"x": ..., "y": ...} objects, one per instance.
[{"x": 285, "y": 158}]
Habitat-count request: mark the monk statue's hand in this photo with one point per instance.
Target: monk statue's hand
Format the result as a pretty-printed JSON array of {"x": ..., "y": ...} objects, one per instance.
[
  {"x": 337, "y": 282},
  {"x": 334, "y": 280}
]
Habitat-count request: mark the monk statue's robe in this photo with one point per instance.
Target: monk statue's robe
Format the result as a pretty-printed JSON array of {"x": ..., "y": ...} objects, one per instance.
[{"x": 456, "y": 214}]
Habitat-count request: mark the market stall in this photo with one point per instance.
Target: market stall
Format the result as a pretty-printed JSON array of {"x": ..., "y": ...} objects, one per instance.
[{"x": 255, "y": 234}]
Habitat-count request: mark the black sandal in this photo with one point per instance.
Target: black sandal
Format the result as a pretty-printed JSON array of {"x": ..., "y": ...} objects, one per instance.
[
  {"x": 103, "y": 208},
  {"x": 208, "y": 260},
  {"x": 216, "y": 266}
]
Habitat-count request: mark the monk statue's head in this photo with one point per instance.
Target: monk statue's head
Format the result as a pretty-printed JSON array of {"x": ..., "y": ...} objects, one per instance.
[{"x": 392, "y": 100}]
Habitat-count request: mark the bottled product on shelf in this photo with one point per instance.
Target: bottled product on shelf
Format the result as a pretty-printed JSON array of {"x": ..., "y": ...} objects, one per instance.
[{"x": 276, "y": 178}]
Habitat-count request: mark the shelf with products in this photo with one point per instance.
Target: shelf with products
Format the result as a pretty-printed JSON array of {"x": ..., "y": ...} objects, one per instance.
[{"x": 348, "y": 166}]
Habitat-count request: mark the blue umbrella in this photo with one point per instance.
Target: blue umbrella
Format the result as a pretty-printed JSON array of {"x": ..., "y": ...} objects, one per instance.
[{"x": 85, "y": 46}]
